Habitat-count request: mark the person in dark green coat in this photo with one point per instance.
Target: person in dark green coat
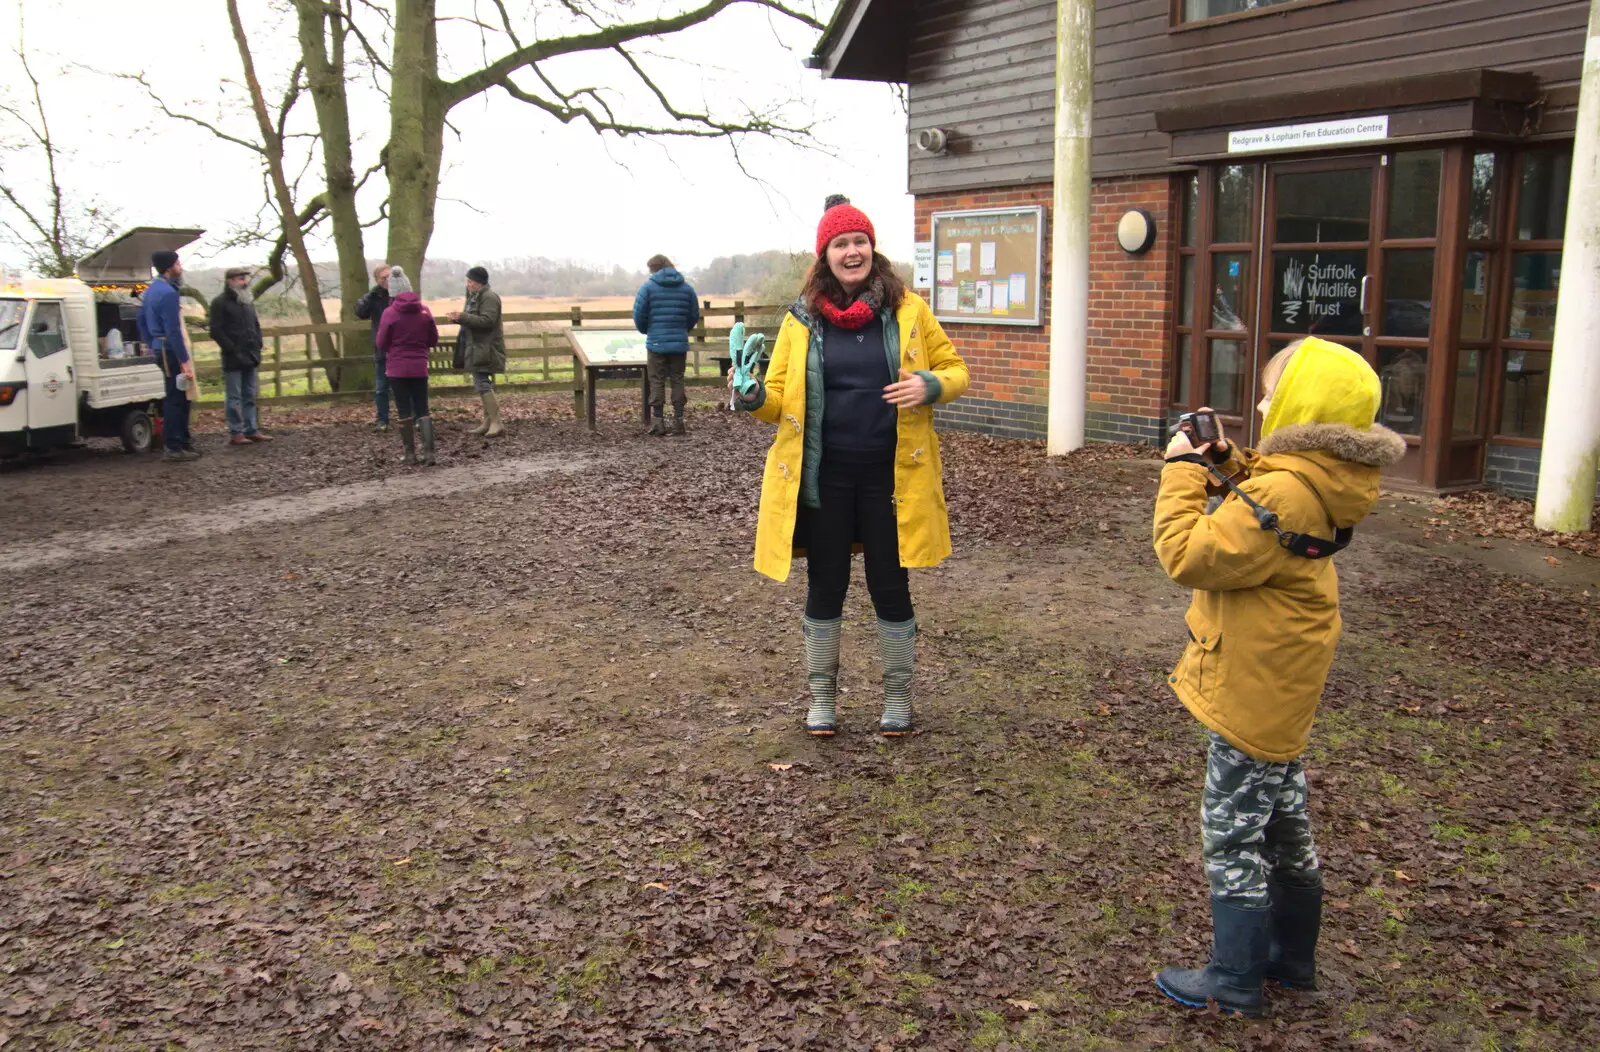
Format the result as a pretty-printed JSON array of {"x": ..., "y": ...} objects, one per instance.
[{"x": 484, "y": 346}]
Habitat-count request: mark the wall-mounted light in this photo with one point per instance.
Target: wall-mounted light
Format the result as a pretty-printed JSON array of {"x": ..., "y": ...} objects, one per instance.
[
  {"x": 1136, "y": 231},
  {"x": 932, "y": 140}
]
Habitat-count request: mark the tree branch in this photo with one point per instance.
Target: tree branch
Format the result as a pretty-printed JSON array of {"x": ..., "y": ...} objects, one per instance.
[
  {"x": 139, "y": 78},
  {"x": 315, "y": 211},
  {"x": 497, "y": 72},
  {"x": 290, "y": 95}
]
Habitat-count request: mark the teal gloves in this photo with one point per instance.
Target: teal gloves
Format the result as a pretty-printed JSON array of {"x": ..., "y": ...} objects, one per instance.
[{"x": 746, "y": 355}]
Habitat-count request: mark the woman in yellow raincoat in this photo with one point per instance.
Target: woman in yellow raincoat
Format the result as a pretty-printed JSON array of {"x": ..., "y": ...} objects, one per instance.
[
  {"x": 1263, "y": 625},
  {"x": 858, "y": 365}
]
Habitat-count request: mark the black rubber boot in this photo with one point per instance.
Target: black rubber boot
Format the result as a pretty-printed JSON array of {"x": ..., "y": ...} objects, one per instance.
[
  {"x": 1296, "y": 923},
  {"x": 658, "y": 425},
  {"x": 677, "y": 421},
  {"x": 425, "y": 426},
  {"x": 1240, "y": 939},
  {"x": 408, "y": 438}
]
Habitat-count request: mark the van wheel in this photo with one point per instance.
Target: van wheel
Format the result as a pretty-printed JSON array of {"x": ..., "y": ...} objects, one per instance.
[{"x": 138, "y": 434}]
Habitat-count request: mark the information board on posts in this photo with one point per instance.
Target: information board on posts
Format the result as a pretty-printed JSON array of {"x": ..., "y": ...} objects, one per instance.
[{"x": 986, "y": 266}]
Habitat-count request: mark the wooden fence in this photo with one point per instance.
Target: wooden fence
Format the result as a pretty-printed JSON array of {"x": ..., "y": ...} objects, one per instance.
[{"x": 538, "y": 354}]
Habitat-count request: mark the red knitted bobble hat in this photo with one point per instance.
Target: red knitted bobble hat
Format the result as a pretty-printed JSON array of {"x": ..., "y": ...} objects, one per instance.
[{"x": 842, "y": 217}]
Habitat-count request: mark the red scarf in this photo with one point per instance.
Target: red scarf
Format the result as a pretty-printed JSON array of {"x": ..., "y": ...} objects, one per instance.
[{"x": 858, "y": 314}]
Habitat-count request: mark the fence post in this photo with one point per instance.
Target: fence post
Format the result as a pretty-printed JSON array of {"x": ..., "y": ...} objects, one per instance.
[
  {"x": 311, "y": 382},
  {"x": 577, "y": 367},
  {"x": 277, "y": 365}
]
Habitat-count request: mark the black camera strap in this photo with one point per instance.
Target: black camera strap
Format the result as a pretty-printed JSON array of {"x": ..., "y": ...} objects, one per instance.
[{"x": 1302, "y": 544}]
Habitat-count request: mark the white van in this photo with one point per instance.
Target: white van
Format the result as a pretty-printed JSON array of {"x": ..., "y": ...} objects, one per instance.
[{"x": 71, "y": 364}]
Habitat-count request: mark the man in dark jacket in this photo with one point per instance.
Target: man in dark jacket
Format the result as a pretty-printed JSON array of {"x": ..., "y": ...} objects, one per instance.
[
  {"x": 665, "y": 310},
  {"x": 238, "y": 334},
  {"x": 370, "y": 308},
  {"x": 485, "y": 345}
]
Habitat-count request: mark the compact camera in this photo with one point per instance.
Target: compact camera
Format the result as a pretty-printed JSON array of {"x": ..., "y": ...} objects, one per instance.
[{"x": 1201, "y": 426}]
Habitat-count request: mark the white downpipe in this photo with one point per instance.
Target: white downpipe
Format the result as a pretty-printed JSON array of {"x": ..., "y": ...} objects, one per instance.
[
  {"x": 1572, "y": 414},
  {"x": 1069, "y": 222}
]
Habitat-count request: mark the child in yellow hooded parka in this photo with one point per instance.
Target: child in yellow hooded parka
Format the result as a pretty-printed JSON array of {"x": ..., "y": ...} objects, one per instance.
[{"x": 1263, "y": 625}]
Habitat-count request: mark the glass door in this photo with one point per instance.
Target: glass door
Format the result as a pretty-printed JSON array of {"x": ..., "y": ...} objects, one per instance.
[{"x": 1318, "y": 260}]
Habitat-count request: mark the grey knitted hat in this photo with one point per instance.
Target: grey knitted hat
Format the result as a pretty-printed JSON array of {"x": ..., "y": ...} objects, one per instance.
[{"x": 398, "y": 282}]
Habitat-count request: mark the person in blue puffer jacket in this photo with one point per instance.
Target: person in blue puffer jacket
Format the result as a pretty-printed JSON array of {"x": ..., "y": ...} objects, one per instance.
[{"x": 665, "y": 310}]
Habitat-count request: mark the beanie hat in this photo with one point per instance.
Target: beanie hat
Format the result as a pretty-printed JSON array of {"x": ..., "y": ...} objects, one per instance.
[
  {"x": 162, "y": 260},
  {"x": 398, "y": 282},
  {"x": 842, "y": 217},
  {"x": 478, "y": 274}
]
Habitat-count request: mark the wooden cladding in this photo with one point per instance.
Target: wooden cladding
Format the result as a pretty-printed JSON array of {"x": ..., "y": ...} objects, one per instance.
[
  {"x": 1142, "y": 66},
  {"x": 985, "y": 74}
]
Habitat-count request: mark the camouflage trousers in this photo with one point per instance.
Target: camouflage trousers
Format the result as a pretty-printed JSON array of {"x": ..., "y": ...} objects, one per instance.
[{"x": 1253, "y": 825}]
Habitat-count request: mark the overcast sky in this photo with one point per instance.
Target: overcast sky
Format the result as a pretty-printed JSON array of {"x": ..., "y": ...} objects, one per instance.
[{"x": 517, "y": 183}]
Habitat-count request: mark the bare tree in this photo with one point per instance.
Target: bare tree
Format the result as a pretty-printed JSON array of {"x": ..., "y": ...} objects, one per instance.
[
  {"x": 420, "y": 99},
  {"x": 292, "y": 218},
  {"x": 57, "y": 231}
]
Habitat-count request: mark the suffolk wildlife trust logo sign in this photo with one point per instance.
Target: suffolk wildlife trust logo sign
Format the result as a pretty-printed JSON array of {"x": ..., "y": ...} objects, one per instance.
[
  {"x": 1294, "y": 287},
  {"x": 1319, "y": 292}
]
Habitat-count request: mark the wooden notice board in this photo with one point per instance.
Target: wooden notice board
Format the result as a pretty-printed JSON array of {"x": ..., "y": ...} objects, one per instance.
[{"x": 986, "y": 265}]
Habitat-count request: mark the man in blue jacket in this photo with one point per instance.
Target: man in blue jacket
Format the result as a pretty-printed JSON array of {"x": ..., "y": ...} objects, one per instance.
[
  {"x": 161, "y": 330},
  {"x": 665, "y": 310}
]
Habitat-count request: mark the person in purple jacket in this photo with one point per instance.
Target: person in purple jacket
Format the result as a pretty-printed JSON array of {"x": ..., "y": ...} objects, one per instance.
[{"x": 405, "y": 336}]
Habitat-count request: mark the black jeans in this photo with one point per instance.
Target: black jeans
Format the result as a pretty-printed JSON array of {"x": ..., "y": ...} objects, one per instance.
[
  {"x": 857, "y": 504},
  {"x": 410, "y": 396}
]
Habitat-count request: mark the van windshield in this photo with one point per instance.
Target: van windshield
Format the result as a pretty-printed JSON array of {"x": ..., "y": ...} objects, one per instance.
[{"x": 11, "y": 312}]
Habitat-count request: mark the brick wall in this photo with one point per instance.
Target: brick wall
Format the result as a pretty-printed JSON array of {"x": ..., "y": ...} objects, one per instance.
[
  {"x": 1010, "y": 364},
  {"x": 1129, "y": 315},
  {"x": 1128, "y": 324},
  {"x": 1514, "y": 469}
]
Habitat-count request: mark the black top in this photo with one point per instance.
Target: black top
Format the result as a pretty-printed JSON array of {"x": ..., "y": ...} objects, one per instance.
[{"x": 857, "y": 424}]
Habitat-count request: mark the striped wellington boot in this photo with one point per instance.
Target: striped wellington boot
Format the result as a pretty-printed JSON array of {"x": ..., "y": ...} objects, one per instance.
[
  {"x": 822, "y": 673},
  {"x": 897, "y": 645}
]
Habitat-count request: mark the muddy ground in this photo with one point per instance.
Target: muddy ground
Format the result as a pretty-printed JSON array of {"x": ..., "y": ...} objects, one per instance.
[{"x": 303, "y": 749}]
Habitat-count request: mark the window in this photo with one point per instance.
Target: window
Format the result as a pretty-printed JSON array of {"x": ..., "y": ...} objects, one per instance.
[
  {"x": 1475, "y": 344},
  {"x": 1201, "y": 10},
  {"x": 1215, "y": 287},
  {"x": 1405, "y": 317},
  {"x": 1532, "y": 281},
  {"x": 11, "y": 312},
  {"x": 1183, "y": 344},
  {"x": 47, "y": 333}
]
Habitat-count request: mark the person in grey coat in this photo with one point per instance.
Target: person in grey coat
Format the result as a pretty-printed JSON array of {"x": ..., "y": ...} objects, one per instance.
[{"x": 484, "y": 350}]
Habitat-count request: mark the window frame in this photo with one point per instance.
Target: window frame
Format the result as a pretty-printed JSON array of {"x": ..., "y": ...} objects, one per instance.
[
  {"x": 60, "y": 309},
  {"x": 1507, "y": 249},
  {"x": 1204, "y": 251},
  {"x": 1178, "y": 24}
]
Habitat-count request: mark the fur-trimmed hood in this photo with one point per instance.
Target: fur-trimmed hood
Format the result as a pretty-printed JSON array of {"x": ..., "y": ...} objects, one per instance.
[
  {"x": 1376, "y": 447},
  {"x": 1341, "y": 464}
]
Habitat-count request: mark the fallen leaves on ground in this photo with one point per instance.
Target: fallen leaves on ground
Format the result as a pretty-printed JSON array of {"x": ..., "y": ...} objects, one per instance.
[{"x": 522, "y": 766}]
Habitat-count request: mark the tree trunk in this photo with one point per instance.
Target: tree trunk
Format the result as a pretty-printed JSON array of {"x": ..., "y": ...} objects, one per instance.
[
  {"x": 325, "y": 76},
  {"x": 416, "y": 135},
  {"x": 287, "y": 213}
]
